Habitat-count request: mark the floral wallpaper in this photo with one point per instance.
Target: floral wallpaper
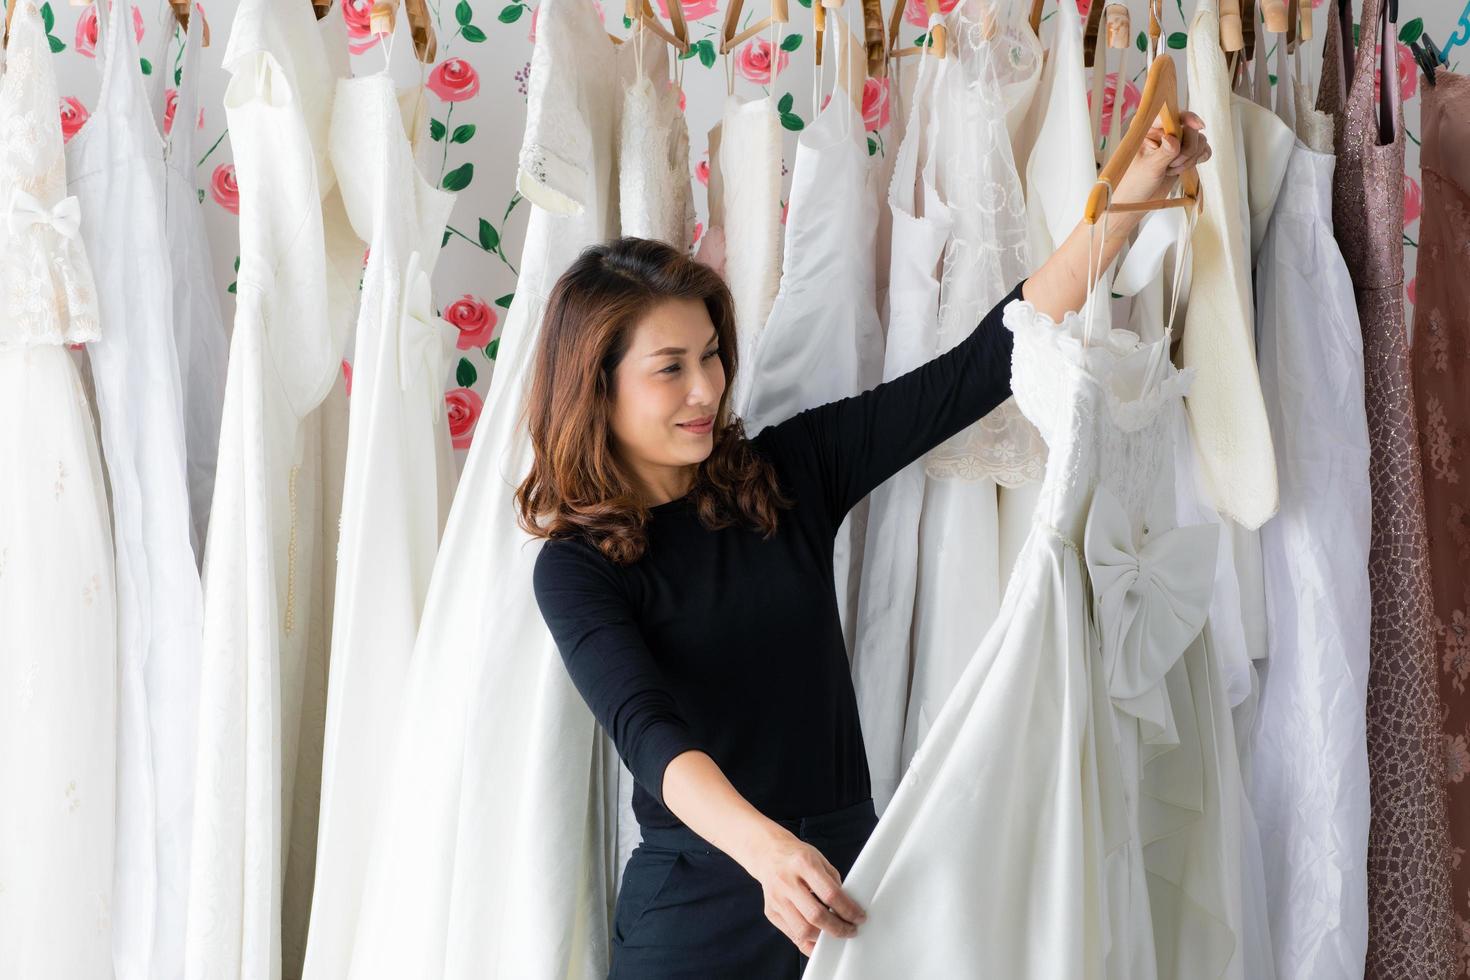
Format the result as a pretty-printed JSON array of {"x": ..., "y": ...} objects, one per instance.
[{"x": 477, "y": 90}]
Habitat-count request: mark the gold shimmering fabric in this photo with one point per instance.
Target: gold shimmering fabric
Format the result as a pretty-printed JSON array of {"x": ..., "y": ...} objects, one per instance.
[
  {"x": 1409, "y": 918},
  {"x": 1441, "y": 360}
]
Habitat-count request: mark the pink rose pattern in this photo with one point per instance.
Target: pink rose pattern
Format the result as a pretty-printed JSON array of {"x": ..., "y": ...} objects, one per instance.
[
  {"x": 170, "y": 106},
  {"x": 753, "y": 61},
  {"x": 73, "y": 117},
  {"x": 693, "y": 9},
  {"x": 463, "y": 405},
  {"x": 1413, "y": 200},
  {"x": 84, "y": 42},
  {"x": 917, "y": 13},
  {"x": 223, "y": 189},
  {"x": 474, "y": 319},
  {"x": 454, "y": 80},
  {"x": 358, "y": 16},
  {"x": 1131, "y": 99},
  {"x": 875, "y": 104}
]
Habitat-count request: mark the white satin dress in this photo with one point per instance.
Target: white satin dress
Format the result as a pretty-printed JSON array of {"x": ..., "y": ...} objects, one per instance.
[
  {"x": 115, "y": 167},
  {"x": 272, "y": 541},
  {"x": 398, "y": 483},
  {"x": 1021, "y": 775},
  {"x": 58, "y": 627},
  {"x": 494, "y": 850}
]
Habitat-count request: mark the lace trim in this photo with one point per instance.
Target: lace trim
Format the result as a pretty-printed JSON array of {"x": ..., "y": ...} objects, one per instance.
[
  {"x": 47, "y": 296},
  {"x": 996, "y": 62},
  {"x": 1003, "y": 446}
]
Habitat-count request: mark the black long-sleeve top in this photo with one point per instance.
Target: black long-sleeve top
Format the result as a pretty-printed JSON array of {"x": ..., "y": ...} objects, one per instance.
[{"x": 723, "y": 641}]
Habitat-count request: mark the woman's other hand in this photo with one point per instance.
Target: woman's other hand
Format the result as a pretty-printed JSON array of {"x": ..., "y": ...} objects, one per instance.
[
  {"x": 1061, "y": 284},
  {"x": 1162, "y": 158},
  {"x": 803, "y": 892}
]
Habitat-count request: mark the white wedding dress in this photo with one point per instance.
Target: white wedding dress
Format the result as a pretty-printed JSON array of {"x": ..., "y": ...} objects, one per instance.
[
  {"x": 748, "y": 144},
  {"x": 115, "y": 167},
  {"x": 1226, "y": 412},
  {"x": 1009, "y": 849},
  {"x": 1309, "y": 776},
  {"x": 398, "y": 483},
  {"x": 272, "y": 540},
  {"x": 980, "y": 485},
  {"x": 58, "y": 629},
  {"x": 823, "y": 341},
  {"x": 881, "y": 653},
  {"x": 199, "y": 324},
  {"x": 493, "y": 851}
]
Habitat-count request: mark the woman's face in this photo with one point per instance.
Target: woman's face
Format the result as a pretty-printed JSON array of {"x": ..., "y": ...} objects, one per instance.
[{"x": 667, "y": 389}]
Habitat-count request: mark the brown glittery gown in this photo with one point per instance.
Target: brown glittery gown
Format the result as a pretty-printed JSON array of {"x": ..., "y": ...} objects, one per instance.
[
  {"x": 1409, "y": 918},
  {"x": 1442, "y": 392}
]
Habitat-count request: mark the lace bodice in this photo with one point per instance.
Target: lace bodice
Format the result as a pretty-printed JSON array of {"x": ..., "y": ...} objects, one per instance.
[
  {"x": 654, "y": 191},
  {"x": 1101, "y": 409},
  {"x": 998, "y": 62},
  {"x": 46, "y": 290}
]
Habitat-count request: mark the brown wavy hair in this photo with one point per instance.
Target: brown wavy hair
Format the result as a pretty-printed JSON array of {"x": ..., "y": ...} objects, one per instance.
[{"x": 577, "y": 484}]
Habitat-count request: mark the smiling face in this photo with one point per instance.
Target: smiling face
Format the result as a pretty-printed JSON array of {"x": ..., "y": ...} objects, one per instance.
[{"x": 666, "y": 395}]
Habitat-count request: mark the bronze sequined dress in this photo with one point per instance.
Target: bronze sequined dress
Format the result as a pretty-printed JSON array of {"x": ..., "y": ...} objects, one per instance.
[{"x": 1409, "y": 919}]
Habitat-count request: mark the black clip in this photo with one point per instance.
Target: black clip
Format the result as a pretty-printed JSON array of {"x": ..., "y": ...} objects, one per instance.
[{"x": 1427, "y": 55}]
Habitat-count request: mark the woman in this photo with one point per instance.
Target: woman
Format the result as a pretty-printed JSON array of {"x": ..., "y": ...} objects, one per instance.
[{"x": 687, "y": 579}]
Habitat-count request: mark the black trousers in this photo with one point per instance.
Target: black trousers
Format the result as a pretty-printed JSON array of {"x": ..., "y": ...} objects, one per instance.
[{"x": 686, "y": 910}]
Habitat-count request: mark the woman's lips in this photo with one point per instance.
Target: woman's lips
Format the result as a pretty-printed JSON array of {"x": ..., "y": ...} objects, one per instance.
[{"x": 699, "y": 427}]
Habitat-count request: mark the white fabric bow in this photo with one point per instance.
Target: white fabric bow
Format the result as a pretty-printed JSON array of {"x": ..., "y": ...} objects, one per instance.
[
  {"x": 26, "y": 210},
  {"x": 1149, "y": 602},
  {"x": 422, "y": 333}
]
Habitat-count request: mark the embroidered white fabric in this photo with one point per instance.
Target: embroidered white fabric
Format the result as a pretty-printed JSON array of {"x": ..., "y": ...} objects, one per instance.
[
  {"x": 58, "y": 628},
  {"x": 46, "y": 291},
  {"x": 999, "y": 63}
]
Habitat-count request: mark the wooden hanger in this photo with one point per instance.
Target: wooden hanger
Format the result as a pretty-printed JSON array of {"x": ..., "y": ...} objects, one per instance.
[
  {"x": 383, "y": 17},
  {"x": 729, "y": 40},
  {"x": 1035, "y": 16},
  {"x": 875, "y": 37},
  {"x": 1232, "y": 38},
  {"x": 938, "y": 36},
  {"x": 1119, "y": 31},
  {"x": 641, "y": 12},
  {"x": 1160, "y": 102},
  {"x": 10, "y": 13},
  {"x": 873, "y": 34},
  {"x": 181, "y": 14},
  {"x": 321, "y": 8},
  {"x": 1299, "y": 22},
  {"x": 1089, "y": 32}
]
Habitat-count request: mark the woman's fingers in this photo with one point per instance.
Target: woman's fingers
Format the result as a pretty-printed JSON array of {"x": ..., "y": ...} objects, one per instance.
[
  {"x": 823, "y": 917},
  {"x": 826, "y": 884},
  {"x": 1194, "y": 149}
]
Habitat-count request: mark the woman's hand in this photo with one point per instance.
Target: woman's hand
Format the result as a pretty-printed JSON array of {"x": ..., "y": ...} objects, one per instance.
[
  {"x": 1161, "y": 159},
  {"x": 1060, "y": 285},
  {"x": 803, "y": 892}
]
